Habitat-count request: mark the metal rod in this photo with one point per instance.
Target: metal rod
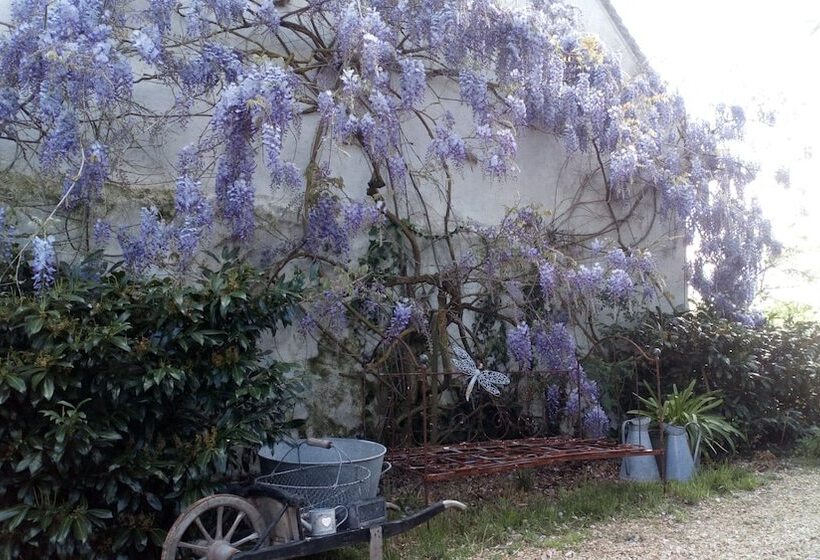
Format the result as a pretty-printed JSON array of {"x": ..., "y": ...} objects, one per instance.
[
  {"x": 425, "y": 442},
  {"x": 657, "y": 353}
]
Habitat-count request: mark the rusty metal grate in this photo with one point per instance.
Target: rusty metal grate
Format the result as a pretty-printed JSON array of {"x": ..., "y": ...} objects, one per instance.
[{"x": 447, "y": 462}]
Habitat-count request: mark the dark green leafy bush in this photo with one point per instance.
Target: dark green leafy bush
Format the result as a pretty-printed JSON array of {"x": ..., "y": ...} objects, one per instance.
[
  {"x": 768, "y": 374},
  {"x": 809, "y": 445},
  {"x": 121, "y": 401}
]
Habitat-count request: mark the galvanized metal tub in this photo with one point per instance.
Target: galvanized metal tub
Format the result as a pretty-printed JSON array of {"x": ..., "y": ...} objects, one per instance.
[{"x": 293, "y": 454}]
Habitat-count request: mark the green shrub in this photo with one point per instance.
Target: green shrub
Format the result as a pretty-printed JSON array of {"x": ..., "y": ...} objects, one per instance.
[
  {"x": 809, "y": 445},
  {"x": 122, "y": 401},
  {"x": 768, "y": 374}
]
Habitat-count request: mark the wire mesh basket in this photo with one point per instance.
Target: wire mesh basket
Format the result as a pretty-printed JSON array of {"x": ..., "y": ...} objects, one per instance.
[{"x": 322, "y": 487}]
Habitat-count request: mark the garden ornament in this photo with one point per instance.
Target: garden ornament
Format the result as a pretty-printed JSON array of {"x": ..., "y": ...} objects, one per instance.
[
  {"x": 488, "y": 379},
  {"x": 323, "y": 521}
]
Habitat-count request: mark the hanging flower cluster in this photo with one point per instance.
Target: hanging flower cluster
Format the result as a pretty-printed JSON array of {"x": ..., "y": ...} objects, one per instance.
[{"x": 422, "y": 89}]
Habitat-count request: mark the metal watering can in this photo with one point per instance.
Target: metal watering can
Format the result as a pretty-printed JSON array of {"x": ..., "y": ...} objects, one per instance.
[
  {"x": 636, "y": 432},
  {"x": 680, "y": 463}
]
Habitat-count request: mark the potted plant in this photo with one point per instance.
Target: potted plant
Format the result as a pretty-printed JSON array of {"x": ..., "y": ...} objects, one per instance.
[{"x": 688, "y": 420}]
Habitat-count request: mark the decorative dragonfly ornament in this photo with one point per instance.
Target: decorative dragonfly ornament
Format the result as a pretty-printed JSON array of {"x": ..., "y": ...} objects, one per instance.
[{"x": 488, "y": 379}]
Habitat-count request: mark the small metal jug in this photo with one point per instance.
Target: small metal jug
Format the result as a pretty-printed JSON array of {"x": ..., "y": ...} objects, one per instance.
[
  {"x": 645, "y": 468},
  {"x": 680, "y": 463},
  {"x": 323, "y": 521}
]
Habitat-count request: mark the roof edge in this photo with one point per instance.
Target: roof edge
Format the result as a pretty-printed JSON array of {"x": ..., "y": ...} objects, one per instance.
[{"x": 620, "y": 26}]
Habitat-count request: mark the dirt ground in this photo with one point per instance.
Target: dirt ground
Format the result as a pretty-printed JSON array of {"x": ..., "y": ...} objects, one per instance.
[{"x": 779, "y": 520}]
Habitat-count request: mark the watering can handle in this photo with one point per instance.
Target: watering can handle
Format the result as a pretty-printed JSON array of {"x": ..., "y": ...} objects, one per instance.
[{"x": 624, "y": 428}]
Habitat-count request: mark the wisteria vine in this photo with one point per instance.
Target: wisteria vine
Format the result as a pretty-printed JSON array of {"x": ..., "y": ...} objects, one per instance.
[{"x": 422, "y": 89}]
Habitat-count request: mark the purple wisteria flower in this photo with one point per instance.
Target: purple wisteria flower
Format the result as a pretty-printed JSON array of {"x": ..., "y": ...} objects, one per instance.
[
  {"x": 474, "y": 92},
  {"x": 101, "y": 232},
  {"x": 149, "y": 245},
  {"x": 589, "y": 388},
  {"x": 519, "y": 345},
  {"x": 324, "y": 232},
  {"x": 585, "y": 280},
  {"x": 193, "y": 220},
  {"x": 215, "y": 63},
  {"x": 501, "y": 152},
  {"x": 43, "y": 262},
  {"x": 268, "y": 15},
  {"x": 147, "y": 41},
  {"x": 448, "y": 145},
  {"x": 596, "y": 422},
  {"x": 238, "y": 208},
  {"x": 261, "y": 102},
  {"x": 226, "y": 11},
  {"x": 554, "y": 347},
  {"x": 282, "y": 172},
  {"x": 623, "y": 165},
  {"x": 572, "y": 405},
  {"x": 61, "y": 140},
  {"x": 596, "y": 246},
  {"x": 9, "y": 104},
  {"x": 413, "y": 82},
  {"x": 619, "y": 286},
  {"x": 397, "y": 168},
  {"x": 616, "y": 258},
  {"x": 547, "y": 279},
  {"x": 331, "y": 225},
  {"x": 517, "y": 109},
  {"x": 326, "y": 105},
  {"x": 402, "y": 313},
  {"x": 583, "y": 396}
]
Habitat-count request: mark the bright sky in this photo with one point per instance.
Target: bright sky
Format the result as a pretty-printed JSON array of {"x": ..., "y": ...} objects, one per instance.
[{"x": 760, "y": 55}]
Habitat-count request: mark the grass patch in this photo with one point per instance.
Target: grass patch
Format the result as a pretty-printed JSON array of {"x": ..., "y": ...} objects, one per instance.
[
  {"x": 499, "y": 527},
  {"x": 714, "y": 481}
]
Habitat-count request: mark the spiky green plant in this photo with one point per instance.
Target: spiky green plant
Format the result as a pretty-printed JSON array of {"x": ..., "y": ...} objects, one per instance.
[{"x": 695, "y": 412}]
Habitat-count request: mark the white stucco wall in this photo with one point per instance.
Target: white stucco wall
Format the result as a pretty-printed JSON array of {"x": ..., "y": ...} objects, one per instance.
[{"x": 547, "y": 176}]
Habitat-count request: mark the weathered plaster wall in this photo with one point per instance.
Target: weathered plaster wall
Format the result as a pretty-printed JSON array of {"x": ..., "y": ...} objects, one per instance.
[{"x": 546, "y": 176}]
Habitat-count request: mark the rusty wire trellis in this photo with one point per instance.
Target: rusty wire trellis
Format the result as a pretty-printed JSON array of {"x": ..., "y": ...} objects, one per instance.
[{"x": 444, "y": 462}]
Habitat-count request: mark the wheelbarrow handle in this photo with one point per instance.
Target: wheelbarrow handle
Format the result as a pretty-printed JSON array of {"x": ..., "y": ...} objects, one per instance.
[
  {"x": 454, "y": 504},
  {"x": 392, "y": 528}
]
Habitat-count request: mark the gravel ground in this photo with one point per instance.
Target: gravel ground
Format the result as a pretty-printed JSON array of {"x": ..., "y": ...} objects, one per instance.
[{"x": 779, "y": 520}]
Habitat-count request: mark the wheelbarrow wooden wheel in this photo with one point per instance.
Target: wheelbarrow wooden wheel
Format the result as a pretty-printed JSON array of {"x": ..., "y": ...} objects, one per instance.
[{"x": 214, "y": 528}]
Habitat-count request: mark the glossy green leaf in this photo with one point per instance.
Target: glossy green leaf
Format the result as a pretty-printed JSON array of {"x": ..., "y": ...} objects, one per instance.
[{"x": 15, "y": 383}]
